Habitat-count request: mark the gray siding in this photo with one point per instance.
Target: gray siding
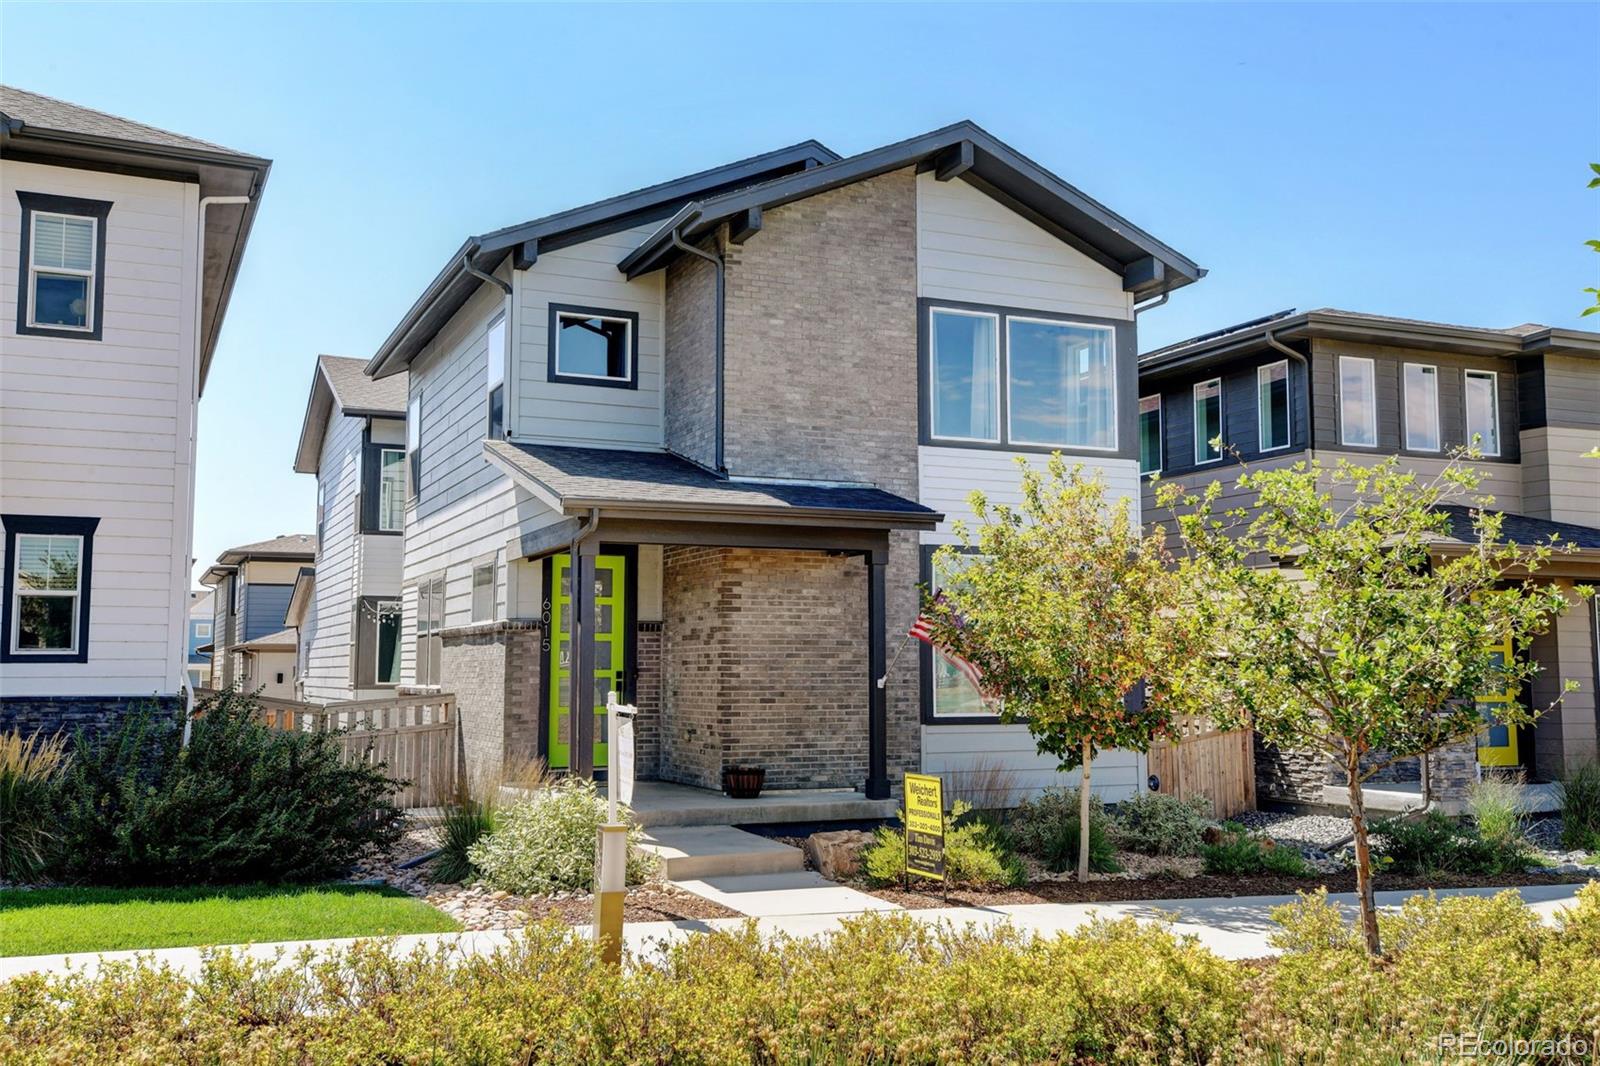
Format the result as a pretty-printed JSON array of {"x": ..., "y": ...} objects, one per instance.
[
  {"x": 264, "y": 608},
  {"x": 327, "y": 673},
  {"x": 1240, "y": 414},
  {"x": 1571, "y": 392}
]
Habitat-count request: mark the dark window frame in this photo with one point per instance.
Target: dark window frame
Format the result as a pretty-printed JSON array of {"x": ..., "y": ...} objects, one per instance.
[
  {"x": 47, "y": 525},
  {"x": 495, "y": 428},
  {"x": 552, "y": 374},
  {"x": 364, "y": 665},
  {"x": 100, "y": 211},
  {"x": 370, "y": 509},
  {"x": 925, "y": 656},
  {"x": 1161, "y": 434}
]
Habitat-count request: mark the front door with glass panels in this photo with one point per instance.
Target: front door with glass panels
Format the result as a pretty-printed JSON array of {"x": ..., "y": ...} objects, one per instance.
[
  {"x": 1497, "y": 744},
  {"x": 610, "y": 584}
]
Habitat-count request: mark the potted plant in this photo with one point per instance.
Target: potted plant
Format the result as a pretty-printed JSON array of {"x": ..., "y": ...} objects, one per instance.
[{"x": 743, "y": 782}]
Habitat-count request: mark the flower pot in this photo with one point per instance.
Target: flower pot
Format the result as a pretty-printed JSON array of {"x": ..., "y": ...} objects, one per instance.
[{"x": 743, "y": 782}]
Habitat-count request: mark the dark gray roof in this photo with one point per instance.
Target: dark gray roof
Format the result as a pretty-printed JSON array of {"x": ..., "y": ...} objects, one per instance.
[
  {"x": 290, "y": 545},
  {"x": 581, "y": 478},
  {"x": 36, "y": 109},
  {"x": 1521, "y": 529},
  {"x": 342, "y": 380}
]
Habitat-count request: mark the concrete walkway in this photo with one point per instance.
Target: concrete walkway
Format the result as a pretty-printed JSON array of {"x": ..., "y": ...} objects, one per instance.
[{"x": 1233, "y": 928}]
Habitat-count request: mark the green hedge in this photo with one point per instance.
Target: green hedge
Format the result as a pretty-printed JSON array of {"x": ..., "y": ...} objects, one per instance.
[{"x": 884, "y": 989}]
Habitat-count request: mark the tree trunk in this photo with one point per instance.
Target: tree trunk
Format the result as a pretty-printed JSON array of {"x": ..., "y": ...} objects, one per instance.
[
  {"x": 1358, "y": 822},
  {"x": 1083, "y": 815}
]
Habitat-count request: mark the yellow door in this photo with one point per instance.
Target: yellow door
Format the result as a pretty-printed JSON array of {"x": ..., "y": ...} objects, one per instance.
[
  {"x": 610, "y": 582},
  {"x": 1497, "y": 744}
]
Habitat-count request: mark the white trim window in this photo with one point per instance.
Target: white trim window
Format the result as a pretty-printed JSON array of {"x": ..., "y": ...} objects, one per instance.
[
  {"x": 1273, "y": 412},
  {"x": 414, "y": 442},
  {"x": 1061, "y": 384},
  {"x": 483, "y": 592},
  {"x": 61, "y": 271},
  {"x": 1207, "y": 421},
  {"x": 495, "y": 388},
  {"x": 47, "y": 593},
  {"x": 202, "y": 630},
  {"x": 964, "y": 375},
  {"x": 1358, "y": 401},
  {"x": 391, "y": 490},
  {"x": 1150, "y": 434},
  {"x": 1482, "y": 395},
  {"x": 1420, "y": 406}
]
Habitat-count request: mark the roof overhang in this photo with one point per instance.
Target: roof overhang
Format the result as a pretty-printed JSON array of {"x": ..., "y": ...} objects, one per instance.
[
  {"x": 300, "y": 597},
  {"x": 314, "y": 425}
]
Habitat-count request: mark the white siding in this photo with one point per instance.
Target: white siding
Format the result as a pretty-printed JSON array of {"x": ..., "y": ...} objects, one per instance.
[
  {"x": 586, "y": 275},
  {"x": 948, "y": 476},
  {"x": 971, "y": 247},
  {"x": 101, "y": 428},
  {"x": 329, "y": 637},
  {"x": 965, "y": 753}
]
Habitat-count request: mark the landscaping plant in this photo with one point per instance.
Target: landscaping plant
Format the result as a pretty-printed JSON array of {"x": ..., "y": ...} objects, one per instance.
[
  {"x": 1155, "y": 823},
  {"x": 1241, "y": 853},
  {"x": 29, "y": 771},
  {"x": 1048, "y": 828},
  {"x": 1495, "y": 806},
  {"x": 470, "y": 811},
  {"x": 1075, "y": 621},
  {"x": 1579, "y": 792},
  {"x": 546, "y": 841},
  {"x": 1436, "y": 843},
  {"x": 976, "y": 852},
  {"x": 1362, "y": 642}
]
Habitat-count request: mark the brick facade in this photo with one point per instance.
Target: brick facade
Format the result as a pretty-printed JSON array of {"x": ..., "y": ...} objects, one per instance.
[
  {"x": 647, "y": 701},
  {"x": 689, "y": 404},
  {"x": 493, "y": 669}
]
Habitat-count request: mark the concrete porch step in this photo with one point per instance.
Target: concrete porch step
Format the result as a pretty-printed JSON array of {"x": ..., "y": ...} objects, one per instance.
[
  {"x": 689, "y": 853},
  {"x": 661, "y": 803}
]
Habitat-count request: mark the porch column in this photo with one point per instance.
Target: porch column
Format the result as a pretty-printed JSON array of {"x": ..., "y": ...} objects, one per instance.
[
  {"x": 877, "y": 786},
  {"x": 580, "y": 760}
]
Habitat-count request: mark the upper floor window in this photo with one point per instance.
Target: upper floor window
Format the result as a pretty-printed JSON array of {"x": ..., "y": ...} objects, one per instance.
[
  {"x": 1272, "y": 387},
  {"x": 589, "y": 346},
  {"x": 1149, "y": 434},
  {"x": 48, "y": 562},
  {"x": 62, "y": 266},
  {"x": 1358, "y": 402},
  {"x": 391, "y": 490},
  {"x": 1207, "y": 421},
  {"x": 414, "y": 441},
  {"x": 202, "y": 629},
  {"x": 1060, "y": 380},
  {"x": 1483, "y": 411},
  {"x": 496, "y": 344},
  {"x": 1421, "y": 407}
]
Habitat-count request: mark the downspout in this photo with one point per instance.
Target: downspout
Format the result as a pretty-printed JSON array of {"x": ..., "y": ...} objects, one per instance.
[
  {"x": 1153, "y": 304},
  {"x": 194, "y": 438},
  {"x": 466, "y": 264},
  {"x": 720, "y": 267}
]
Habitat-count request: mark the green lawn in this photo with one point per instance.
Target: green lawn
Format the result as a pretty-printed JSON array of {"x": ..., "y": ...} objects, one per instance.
[{"x": 48, "y": 921}]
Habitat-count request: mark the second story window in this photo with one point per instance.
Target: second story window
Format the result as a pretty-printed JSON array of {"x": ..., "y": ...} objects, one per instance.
[
  {"x": 589, "y": 346},
  {"x": 1483, "y": 411},
  {"x": 496, "y": 343},
  {"x": 63, "y": 282},
  {"x": 1272, "y": 387},
  {"x": 414, "y": 442},
  {"x": 1207, "y": 421},
  {"x": 391, "y": 490},
  {"x": 1358, "y": 402},
  {"x": 1149, "y": 434},
  {"x": 964, "y": 368},
  {"x": 1420, "y": 407}
]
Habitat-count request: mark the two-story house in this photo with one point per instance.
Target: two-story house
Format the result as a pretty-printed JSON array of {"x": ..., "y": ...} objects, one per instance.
[
  {"x": 121, "y": 247},
  {"x": 1337, "y": 385},
  {"x": 745, "y": 406},
  {"x": 353, "y": 440},
  {"x": 250, "y": 590}
]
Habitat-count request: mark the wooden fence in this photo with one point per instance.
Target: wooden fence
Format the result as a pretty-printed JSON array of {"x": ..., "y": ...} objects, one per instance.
[
  {"x": 1206, "y": 761},
  {"x": 414, "y": 735}
]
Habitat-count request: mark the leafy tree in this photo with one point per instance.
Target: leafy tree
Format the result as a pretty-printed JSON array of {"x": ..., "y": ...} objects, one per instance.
[
  {"x": 1594, "y": 309},
  {"x": 1367, "y": 640},
  {"x": 1064, "y": 608}
]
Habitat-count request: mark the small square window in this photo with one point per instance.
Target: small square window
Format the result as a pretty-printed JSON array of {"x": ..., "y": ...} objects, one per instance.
[
  {"x": 61, "y": 266},
  {"x": 593, "y": 347}
]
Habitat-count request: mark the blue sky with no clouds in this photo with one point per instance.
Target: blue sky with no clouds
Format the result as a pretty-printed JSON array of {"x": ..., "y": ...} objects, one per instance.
[{"x": 1426, "y": 161}]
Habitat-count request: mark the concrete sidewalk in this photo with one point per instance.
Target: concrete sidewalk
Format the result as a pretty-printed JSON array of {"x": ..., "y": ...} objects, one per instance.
[{"x": 1234, "y": 928}]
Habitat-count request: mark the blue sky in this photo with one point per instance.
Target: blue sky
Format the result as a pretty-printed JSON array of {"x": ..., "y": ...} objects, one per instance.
[{"x": 1426, "y": 161}]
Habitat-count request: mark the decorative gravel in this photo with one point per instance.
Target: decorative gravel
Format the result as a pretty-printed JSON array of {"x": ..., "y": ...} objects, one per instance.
[{"x": 1317, "y": 832}]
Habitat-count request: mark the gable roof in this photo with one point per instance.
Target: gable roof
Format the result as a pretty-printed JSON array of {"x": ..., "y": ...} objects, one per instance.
[
  {"x": 1220, "y": 346},
  {"x": 290, "y": 547},
  {"x": 455, "y": 284},
  {"x": 962, "y": 150},
  {"x": 1520, "y": 529},
  {"x": 343, "y": 381},
  {"x": 38, "y": 128}
]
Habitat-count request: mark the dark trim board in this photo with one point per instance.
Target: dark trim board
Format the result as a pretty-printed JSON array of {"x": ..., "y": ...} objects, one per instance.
[
  {"x": 369, "y": 493},
  {"x": 552, "y": 374},
  {"x": 100, "y": 211},
  {"x": 47, "y": 524}
]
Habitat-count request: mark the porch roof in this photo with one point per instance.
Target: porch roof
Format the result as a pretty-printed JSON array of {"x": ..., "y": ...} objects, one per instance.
[
  {"x": 1522, "y": 530},
  {"x": 626, "y": 483}
]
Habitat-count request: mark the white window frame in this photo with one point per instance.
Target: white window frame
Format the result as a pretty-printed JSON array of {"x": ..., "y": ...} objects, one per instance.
[
  {"x": 1430, "y": 374},
  {"x": 495, "y": 376},
  {"x": 202, "y": 630},
  {"x": 384, "y": 527},
  {"x": 18, "y": 593},
  {"x": 627, "y": 347},
  {"x": 414, "y": 445},
  {"x": 1194, "y": 407},
  {"x": 1000, "y": 417},
  {"x": 494, "y": 580},
  {"x": 1005, "y": 366},
  {"x": 1261, "y": 410},
  {"x": 1372, "y": 380},
  {"x": 1494, "y": 406},
  {"x": 88, "y": 275},
  {"x": 1161, "y": 434}
]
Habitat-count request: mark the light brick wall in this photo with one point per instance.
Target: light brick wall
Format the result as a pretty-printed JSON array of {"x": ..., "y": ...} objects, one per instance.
[
  {"x": 493, "y": 671},
  {"x": 647, "y": 700},
  {"x": 690, "y": 385}
]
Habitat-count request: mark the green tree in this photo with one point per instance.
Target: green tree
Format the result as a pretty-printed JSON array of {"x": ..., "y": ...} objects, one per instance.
[
  {"x": 1367, "y": 639},
  {"x": 1594, "y": 183},
  {"x": 1065, "y": 608}
]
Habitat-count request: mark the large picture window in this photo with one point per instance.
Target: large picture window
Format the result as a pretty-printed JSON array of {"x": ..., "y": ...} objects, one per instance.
[
  {"x": 996, "y": 377},
  {"x": 47, "y": 584},
  {"x": 1483, "y": 411},
  {"x": 1421, "y": 407},
  {"x": 590, "y": 346},
  {"x": 1358, "y": 402},
  {"x": 1207, "y": 421},
  {"x": 61, "y": 275},
  {"x": 1272, "y": 404}
]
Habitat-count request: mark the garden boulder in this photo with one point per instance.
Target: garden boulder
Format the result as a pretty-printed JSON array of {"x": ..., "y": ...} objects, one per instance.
[{"x": 836, "y": 855}]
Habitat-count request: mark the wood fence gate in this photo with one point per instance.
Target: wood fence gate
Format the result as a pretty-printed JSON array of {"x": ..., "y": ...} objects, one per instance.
[{"x": 1206, "y": 761}]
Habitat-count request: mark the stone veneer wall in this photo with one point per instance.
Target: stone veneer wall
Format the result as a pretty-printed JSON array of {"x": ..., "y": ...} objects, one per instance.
[
  {"x": 763, "y": 664},
  {"x": 1299, "y": 776},
  {"x": 93, "y": 715},
  {"x": 492, "y": 669}
]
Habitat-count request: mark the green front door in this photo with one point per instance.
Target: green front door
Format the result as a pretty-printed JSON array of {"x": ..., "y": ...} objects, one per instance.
[{"x": 610, "y": 584}]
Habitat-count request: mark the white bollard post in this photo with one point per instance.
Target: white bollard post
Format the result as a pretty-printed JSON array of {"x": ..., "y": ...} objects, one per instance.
[{"x": 611, "y": 859}]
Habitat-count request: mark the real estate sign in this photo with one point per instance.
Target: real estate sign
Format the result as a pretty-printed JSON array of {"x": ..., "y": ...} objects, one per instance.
[{"x": 924, "y": 826}]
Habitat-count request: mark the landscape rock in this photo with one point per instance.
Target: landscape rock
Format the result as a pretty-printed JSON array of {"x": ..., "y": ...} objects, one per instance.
[{"x": 836, "y": 855}]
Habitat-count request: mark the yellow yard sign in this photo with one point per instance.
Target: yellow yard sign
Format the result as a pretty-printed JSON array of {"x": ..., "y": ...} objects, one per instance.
[{"x": 924, "y": 826}]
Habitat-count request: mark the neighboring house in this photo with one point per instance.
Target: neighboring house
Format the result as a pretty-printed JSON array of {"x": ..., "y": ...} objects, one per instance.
[
  {"x": 1340, "y": 385},
  {"x": 750, "y": 402},
  {"x": 353, "y": 439},
  {"x": 200, "y": 622},
  {"x": 251, "y": 586},
  {"x": 267, "y": 665},
  {"x": 122, "y": 246}
]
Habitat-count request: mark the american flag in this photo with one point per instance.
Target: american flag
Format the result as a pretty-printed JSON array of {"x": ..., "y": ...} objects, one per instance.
[{"x": 922, "y": 630}]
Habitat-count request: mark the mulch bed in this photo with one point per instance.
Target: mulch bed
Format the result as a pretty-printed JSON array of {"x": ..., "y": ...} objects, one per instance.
[
  {"x": 1204, "y": 886},
  {"x": 644, "y": 903}
]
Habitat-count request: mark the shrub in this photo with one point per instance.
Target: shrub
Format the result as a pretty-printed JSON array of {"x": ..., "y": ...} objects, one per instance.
[
  {"x": 242, "y": 803},
  {"x": 1579, "y": 792},
  {"x": 29, "y": 771},
  {"x": 1437, "y": 843},
  {"x": 1155, "y": 823},
  {"x": 546, "y": 842},
  {"x": 1048, "y": 827},
  {"x": 1495, "y": 804},
  {"x": 1241, "y": 853},
  {"x": 975, "y": 852},
  {"x": 470, "y": 812}
]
